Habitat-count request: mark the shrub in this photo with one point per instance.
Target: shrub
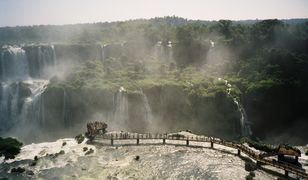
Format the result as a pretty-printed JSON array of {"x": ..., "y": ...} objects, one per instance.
[
  {"x": 252, "y": 174},
  {"x": 306, "y": 152},
  {"x": 79, "y": 138},
  {"x": 249, "y": 177},
  {"x": 61, "y": 152},
  {"x": 137, "y": 158},
  {"x": 250, "y": 166},
  {"x": 258, "y": 145},
  {"x": 89, "y": 152},
  {"x": 85, "y": 149},
  {"x": 9, "y": 147},
  {"x": 64, "y": 143}
]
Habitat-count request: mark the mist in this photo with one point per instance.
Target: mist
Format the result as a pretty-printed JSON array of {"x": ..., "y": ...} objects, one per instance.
[{"x": 159, "y": 75}]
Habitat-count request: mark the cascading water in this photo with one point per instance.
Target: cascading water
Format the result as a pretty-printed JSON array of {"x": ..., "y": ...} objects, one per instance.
[
  {"x": 14, "y": 111},
  {"x": 5, "y": 106},
  {"x": 158, "y": 50},
  {"x": 14, "y": 64},
  {"x": 66, "y": 113},
  {"x": 245, "y": 124},
  {"x": 46, "y": 61},
  {"x": 22, "y": 99},
  {"x": 169, "y": 51},
  {"x": 148, "y": 111},
  {"x": 212, "y": 44},
  {"x": 164, "y": 51},
  {"x": 33, "y": 109},
  {"x": 121, "y": 109},
  {"x": 103, "y": 47}
]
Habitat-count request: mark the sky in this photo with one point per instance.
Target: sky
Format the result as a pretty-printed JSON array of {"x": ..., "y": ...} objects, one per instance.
[{"x": 37, "y": 12}]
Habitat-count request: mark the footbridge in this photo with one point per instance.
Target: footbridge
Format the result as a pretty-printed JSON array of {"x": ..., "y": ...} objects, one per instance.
[{"x": 288, "y": 168}]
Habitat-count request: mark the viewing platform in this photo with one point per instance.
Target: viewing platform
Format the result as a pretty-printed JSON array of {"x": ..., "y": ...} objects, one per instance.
[{"x": 117, "y": 136}]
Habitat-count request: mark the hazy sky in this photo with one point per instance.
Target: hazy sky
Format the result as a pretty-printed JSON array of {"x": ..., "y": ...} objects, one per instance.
[{"x": 30, "y": 12}]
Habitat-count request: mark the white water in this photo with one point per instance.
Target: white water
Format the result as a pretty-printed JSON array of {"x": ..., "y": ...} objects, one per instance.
[
  {"x": 9, "y": 104},
  {"x": 148, "y": 111},
  {"x": 14, "y": 64},
  {"x": 163, "y": 51},
  {"x": 244, "y": 123},
  {"x": 46, "y": 61},
  {"x": 103, "y": 48},
  {"x": 4, "y": 107},
  {"x": 212, "y": 44},
  {"x": 24, "y": 111},
  {"x": 54, "y": 56},
  {"x": 14, "y": 104},
  {"x": 118, "y": 162},
  {"x": 170, "y": 51},
  {"x": 121, "y": 116},
  {"x": 33, "y": 110}
]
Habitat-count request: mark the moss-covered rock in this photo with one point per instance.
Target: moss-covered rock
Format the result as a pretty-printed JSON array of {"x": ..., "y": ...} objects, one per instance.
[
  {"x": 18, "y": 170},
  {"x": 90, "y": 151},
  {"x": 79, "y": 138}
]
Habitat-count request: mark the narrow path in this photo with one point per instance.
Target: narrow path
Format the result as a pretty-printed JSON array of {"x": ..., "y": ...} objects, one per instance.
[{"x": 212, "y": 140}]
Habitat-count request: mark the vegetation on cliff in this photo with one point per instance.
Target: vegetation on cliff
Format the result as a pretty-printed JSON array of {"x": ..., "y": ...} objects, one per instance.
[
  {"x": 266, "y": 62},
  {"x": 9, "y": 147}
]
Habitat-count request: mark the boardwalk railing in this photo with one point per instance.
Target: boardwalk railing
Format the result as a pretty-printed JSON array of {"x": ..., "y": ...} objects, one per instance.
[{"x": 200, "y": 138}]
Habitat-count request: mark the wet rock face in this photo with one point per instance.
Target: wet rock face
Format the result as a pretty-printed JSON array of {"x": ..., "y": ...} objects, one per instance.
[
  {"x": 176, "y": 109},
  {"x": 277, "y": 116},
  {"x": 159, "y": 109}
]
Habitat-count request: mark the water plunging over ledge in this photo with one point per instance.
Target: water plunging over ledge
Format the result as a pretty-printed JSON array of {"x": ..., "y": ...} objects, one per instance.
[{"x": 244, "y": 123}]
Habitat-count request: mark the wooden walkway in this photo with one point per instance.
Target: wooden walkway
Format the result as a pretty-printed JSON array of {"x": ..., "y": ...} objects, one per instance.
[{"x": 288, "y": 168}]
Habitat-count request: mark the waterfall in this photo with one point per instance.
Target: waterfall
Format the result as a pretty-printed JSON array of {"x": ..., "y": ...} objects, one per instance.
[
  {"x": 212, "y": 44},
  {"x": 21, "y": 97},
  {"x": 14, "y": 63},
  {"x": 103, "y": 47},
  {"x": 4, "y": 106},
  {"x": 158, "y": 50},
  {"x": 14, "y": 104},
  {"x": 46, "y": 61},
  {"x": 148, "y": 111},
  {"x": 9, "y": 105},
  {"x": 54, "y": 57},
  {"x": 22, "y": 111},
  {"x": 244, "y": 123},
  {"x": 33, "y": 110},
  {"x": 121, "y": 109},
  {"x": 170, "y": 51},
  {"x": 66, "y": 113}
]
